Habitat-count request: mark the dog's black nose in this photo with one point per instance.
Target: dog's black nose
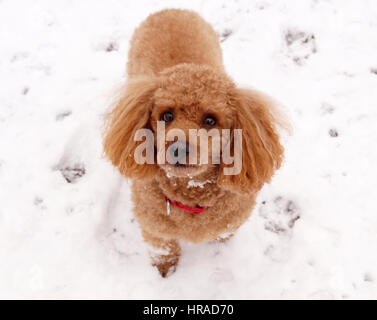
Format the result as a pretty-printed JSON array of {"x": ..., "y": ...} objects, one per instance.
[{"x": 178, "y": 151}]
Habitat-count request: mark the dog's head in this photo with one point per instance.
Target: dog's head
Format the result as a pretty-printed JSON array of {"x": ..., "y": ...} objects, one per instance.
[{"x": 187, "y": 97}]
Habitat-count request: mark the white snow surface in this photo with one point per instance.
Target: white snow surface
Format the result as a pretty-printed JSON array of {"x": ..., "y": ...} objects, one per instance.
[
  {"x": 313, "y": 232},
  {"x": 198, "y": 184}
]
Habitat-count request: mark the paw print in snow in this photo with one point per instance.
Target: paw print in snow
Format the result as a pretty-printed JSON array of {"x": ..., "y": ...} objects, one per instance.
[
  {"x": 112, "y": 46},
  {"x": 72, "y": 173},
  {"x": 225, "y": 34},
  {"x": 300, "y": 45},
  {"x": 280, "y": 215},
  {"x": 62, "y": 115},
  {"x": 333, "y": 133},
  {"x": 39, "y": 202},
  {"x": 327, "y": 109}
]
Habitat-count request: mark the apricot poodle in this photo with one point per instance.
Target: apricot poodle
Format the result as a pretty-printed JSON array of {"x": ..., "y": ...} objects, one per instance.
[{"x": 176, "y": 75}]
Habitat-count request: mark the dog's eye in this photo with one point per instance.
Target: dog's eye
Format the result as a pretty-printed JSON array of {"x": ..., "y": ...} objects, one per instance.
[
  {"x": 167, "y": 116},
  {"x": 209, "y": 121}
]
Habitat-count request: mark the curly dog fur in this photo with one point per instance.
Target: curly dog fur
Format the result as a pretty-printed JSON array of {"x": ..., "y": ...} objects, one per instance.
[{"x": 175, "y": 63}]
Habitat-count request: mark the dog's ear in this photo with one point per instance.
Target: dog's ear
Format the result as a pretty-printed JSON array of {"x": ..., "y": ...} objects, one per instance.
[
  {"x": 262, "y": 152},
  {"x": 131, "y": 112}
]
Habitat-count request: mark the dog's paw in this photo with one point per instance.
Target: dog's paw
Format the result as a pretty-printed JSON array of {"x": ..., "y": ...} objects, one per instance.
[
  {"x": 166, "y": 265},
  {"x": 280, "y": 214}
]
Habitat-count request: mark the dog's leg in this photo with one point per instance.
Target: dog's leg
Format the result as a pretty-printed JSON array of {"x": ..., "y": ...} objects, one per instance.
[{"x": 164, "y": 253}]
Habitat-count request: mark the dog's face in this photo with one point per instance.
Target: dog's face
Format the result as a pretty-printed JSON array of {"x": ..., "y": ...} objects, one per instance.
[
  {"x": 191, "y": 103},
  {"x": 187, "y": 97}
]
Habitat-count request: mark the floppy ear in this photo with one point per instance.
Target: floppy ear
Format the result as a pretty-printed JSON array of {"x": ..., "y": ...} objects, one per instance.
[
  {"x": 262, "y": 152},
  {"x": 132, "y": 112}
]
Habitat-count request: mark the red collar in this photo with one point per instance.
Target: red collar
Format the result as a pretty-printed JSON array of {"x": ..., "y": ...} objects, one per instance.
[{"x": 193, "y": 210}]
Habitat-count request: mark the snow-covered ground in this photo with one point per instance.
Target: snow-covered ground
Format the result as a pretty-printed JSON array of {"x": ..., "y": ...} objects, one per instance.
[{"x": 313, "y": 233}]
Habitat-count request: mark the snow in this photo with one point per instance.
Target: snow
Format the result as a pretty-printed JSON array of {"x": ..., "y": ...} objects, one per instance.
[
  {"x": 313, "y": 233},
  {"x": 200, "y": 184}
]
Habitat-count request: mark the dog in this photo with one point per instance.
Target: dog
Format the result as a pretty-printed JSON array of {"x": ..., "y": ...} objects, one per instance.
[{"x": 176, "y": 77}]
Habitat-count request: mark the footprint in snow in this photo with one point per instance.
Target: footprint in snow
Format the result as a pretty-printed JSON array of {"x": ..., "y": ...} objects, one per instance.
[
  {"x": 112, "y": 46},
  {"x": 72, "y": 173},
  {"x": 225, "y": 34},
  {"x": 300, "y": 45},
  {"x": 327, "y": 108},
  {"x": 62, "y": 115},
  {"x": 280, "y": 215},
  {"x": 333, "y": 133}
]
